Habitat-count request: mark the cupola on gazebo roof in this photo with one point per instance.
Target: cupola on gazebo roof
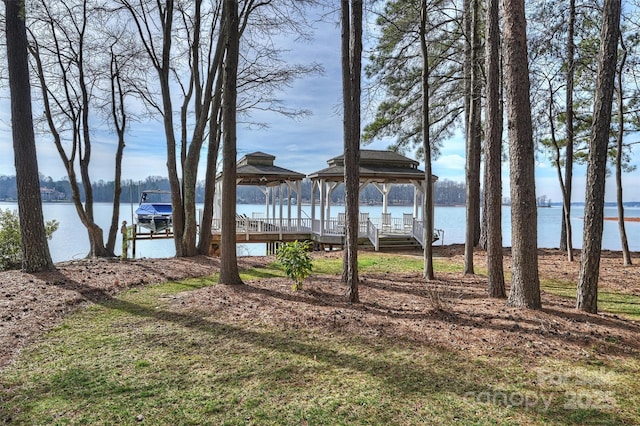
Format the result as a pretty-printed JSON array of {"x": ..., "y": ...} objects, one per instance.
[{"x": 257, "y": 168}]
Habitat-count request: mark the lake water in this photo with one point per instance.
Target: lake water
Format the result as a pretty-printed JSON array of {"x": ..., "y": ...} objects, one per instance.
[{"x": 71, "y": 241}]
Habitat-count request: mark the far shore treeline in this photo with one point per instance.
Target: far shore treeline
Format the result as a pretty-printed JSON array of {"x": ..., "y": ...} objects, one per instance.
[{"x": 447, "y": 192}]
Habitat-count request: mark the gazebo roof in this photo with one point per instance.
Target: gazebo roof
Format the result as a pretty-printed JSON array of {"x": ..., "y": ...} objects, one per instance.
[
  {"x": 257, "y": 168},
  {"x": 379, "y": 166}
]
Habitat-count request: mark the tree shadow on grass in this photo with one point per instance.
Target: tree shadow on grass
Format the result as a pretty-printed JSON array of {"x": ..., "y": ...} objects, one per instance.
[
  {"x": 555, "y": 325},
  {"x": 444, "y": 375}
]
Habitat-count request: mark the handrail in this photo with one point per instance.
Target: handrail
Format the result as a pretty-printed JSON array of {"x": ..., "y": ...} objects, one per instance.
[
  {"x": 370, "y": 229},
  {"x": 417, "y": 231},
  {"x": 373, "y": 234}
]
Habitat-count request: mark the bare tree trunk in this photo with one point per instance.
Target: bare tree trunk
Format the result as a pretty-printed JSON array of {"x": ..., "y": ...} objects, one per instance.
[
  {"x": 626, "y": 254},
  {"x": 493, "y": 156},
  {"x": 467, "y": 64},
  {"x": 565, "y": 198},
  {"x": 229, "y": 273},
  {"x": 117, "y": 192},
  {"x": 427, "y": 202},
  {"x": 164, "y": 69},
  {"x": 476, "y": 119},
  {"x": 472, "y": 235},
  {"x": 35, "y": 249},
  {"x": 69, "y": 49},
  {"x": 204, "y": 243},
  {"x": 587, "y": 296},
  {"x": 351, "y": 75},
  {"x": 191, "y": 153},
  {"x": 482, "y": 242},
  {"x": 566, "y": 238},
  {"x": 119, "y": 116},
  {"x": 213, "y": 151},
  {"x": 525, "y": 285}
]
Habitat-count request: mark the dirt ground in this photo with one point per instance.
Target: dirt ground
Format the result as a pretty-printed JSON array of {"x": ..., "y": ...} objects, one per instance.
[{"x": 451, "y": 312}]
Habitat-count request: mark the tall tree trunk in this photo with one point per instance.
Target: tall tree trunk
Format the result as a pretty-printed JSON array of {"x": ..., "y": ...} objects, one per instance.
[
  {"x": 117, "y": 193},
  {"x": 482, "y": 242},
  {"x": 119, "y": 115},
  {"x": 476, "y": 112},
  {"x": 72, "y": 78},
  {"x": 229, "y": 273},
  {"x": 563, "y": 189},
  {"x": 493, "y": 156},
  {"x": 163, "y": 67},
  {"x": 427, "y": 202},
  {"x": 35, "y": 250},
  {"x": 472, "y": 235},
  {"x": 525, "y": 285},
  {"x": 213, "y": 151},
  {"x": 351, "y": 74},
  {"x": 190, "y": 154},
  {"x": 467, "y": 64},
  {"x": 626, "y": 254},
  {"x": 566, "y": 242},
  {"x": 587, "y": 296}
]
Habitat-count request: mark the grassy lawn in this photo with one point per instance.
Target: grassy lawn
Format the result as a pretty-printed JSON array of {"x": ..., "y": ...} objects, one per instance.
[
  {"x": 626, "y": 305},
  {"x": 132, "y": 360}
]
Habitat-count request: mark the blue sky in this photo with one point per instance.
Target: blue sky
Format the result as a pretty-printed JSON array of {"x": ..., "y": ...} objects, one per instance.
[{"x": 303, "y": 145}]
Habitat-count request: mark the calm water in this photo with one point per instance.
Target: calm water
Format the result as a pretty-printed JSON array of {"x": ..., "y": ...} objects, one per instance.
[{"x": 71, "y": 241}]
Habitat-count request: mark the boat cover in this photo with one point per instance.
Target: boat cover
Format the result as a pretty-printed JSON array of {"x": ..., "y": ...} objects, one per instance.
[{"x": 154, "y": 209}]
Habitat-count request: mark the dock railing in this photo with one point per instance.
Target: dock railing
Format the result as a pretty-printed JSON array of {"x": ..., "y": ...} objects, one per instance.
[
  {"x": 332, "y": 227},
  {"x": 373, "y": 234}
]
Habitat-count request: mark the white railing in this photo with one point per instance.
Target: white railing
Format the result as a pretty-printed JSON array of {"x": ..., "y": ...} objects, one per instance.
[
  {"x": 246, "y": 224},
  {"x": 334, "y": 227},
  {"x": 417, "y": 231},
  {"x": 373, "y": 235},
  {"x": 395, "y": 225},
  {"x": 363, "y": 226},
  {"x": 367, "y": 227}
]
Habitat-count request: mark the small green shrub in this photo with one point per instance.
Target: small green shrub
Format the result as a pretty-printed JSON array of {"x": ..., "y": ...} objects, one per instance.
[
  {"x": 11, "y": 241},
  {"x": 295, "y": 259}
]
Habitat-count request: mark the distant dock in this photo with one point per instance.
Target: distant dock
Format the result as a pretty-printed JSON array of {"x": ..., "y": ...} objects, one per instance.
[{"x": 626, "y": 219}]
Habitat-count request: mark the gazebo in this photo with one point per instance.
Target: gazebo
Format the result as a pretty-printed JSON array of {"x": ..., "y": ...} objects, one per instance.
[
  {"x": 258, "y": 169},
  {"x": 379, "y": 168}
]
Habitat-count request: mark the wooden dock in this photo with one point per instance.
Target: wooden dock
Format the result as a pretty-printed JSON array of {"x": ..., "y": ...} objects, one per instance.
[{"x": 379, "y": 234}]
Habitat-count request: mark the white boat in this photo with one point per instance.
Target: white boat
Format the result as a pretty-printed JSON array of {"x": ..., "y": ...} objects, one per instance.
[{"x": 155, "y": 211}]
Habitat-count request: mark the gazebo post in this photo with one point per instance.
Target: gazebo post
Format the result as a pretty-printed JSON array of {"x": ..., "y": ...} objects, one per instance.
[
  {"x": 288, "y": 203},
  {"x": 299, "y": 204},
  {"x": 331, "y": 186},
  {"x": 313, "y": 202},
  {"x": 424, "y": 212},
  {"x": 415, "y": 202},
  {"x": 328, "y": 201},
  {"x": 322, "y": 201},
  {"x": 266, "y": 201},
  {"x": 385, "y": 197},
  {"x": 273, "y": 202},
  {"x": 217, "y": 204},
  {"x": 280, "y": 195},
  {"x": 384, "y": 190}
]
